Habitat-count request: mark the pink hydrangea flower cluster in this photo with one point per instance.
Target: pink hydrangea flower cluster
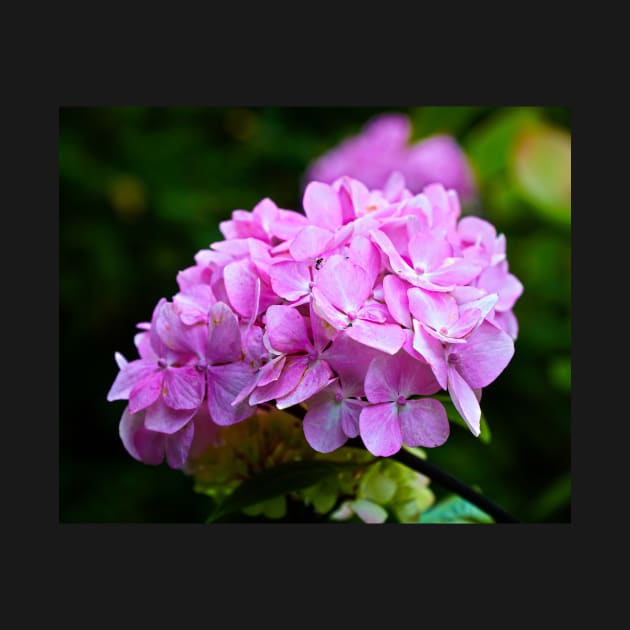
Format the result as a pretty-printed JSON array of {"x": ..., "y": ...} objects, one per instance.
[
  {"x": 383, "y": 146},
  {"x": 362, "y": 308}
]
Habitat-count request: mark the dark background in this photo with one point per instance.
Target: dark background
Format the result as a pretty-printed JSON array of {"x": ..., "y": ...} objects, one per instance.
[{"x": 143, "y": 189}]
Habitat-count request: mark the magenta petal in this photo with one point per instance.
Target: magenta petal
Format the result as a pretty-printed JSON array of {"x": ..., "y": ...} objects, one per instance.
[
  {"x": 177, "y": 446},
  {"x": 395, "y": 293},
  {"x": 286, "y": 330},
  {"x": 183, "y": 387},
  {"x": 290, "y": 279},
  {"x": 387, "y": 338},
  {"x": 316, "y": 376},
  {"x": 465, "y": 401},
  {"x": 321, "y": 205},
  {"x": 322, "y": 424},
  {"x": 310, "y": 242},
  {"x": 485, "y": 355},
  {"x": 380, "y": 429},
  {"x": 128, "y": 376},
  {"x": 224, "y": 335},
  {"x": 224, "y": 384},
  {"x": 469, "y": 319},
  {"x": 161, "y": 418},
  {"x": 423, "y": 423},
  {"x": 207, "y": 434},
  {"x": 345, "y": 285},
  {"x": 146, "y": 391}
]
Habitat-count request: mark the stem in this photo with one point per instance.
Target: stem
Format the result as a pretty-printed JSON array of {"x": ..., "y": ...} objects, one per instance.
[{"x": 436, "y": 474}]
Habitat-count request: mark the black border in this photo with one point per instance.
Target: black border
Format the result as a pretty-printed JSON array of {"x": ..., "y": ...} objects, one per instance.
[{"x": 468, "y": 564}]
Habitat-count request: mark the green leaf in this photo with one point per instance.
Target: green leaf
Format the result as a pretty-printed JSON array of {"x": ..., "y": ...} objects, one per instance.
[
  {"x": 455, "y": 510},
  {"x": 276, "y": 481}
]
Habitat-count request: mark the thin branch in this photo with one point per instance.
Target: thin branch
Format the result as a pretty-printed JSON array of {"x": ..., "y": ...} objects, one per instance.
[{"x": 436, "y": 474}]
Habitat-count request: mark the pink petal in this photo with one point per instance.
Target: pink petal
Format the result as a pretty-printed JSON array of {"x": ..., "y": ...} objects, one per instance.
[
  {"x": 174, "y": 334},
  {"x": 323, "y": 332},
  {"x": 350, "y": 360},
  {"x": 344, "y": 284},
  {"x": 431, "y": 350},
  {"x": 363, "y": 253},
  {"x": 224, "y": 335},
  {"x": 380, "y": 429},
  {"x": 286, "y": 330},
  {"x": 183, "y": 387},
  {"x": 395, "y": 293},
  {"x": 374, "y": 311},
  {"x": 414, "y": 377},
  {"x": 398, "y": 265},
  {"x": 290, "y": 279},
  {"x": 327, "y": 311},
  {"x": 177, "y": 446},
  {"x": 349, "y": 416},
  {"x": 387, "y": 338},
  {"x": 310, "y": 242},
  {"x": 382, "y": 379},
  {"x": 437, "y": 310},
  {"x": 240, "y": 279},
  {"x": 206, "y": 435},
  {"x": 464, "y": 400},
  {"x": 146, "y": 391},
  {"x": 322, "y": 206},
  {"x": 427, "y": 252},
  {"x": 287, "y": 224},
  {"x": 485, "y": 355},
  {"x": 192, "y": 305},
  {"x": 495, "y": 279},
  {"x": 224, "y": 383},
  {"x": 291, "y": 375},
  {"x": 322, "y": 423},
  {"x": 128, "y": 376},
  {"x": 423, "y": 423},
  {"x": 506, "y": 320},
  {"x": 130, "y": 424},
  {"x": 163, "y": 419},
  {"x": 316, "y": 377},
  {"x": 454, "y": 271},
  {"x": 271, "y": 371}
]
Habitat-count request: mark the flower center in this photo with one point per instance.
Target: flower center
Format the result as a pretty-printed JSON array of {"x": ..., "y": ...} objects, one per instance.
[
  {"x": 200, "y": 367},
  {"x": 339, "y": 396},
  {"x": 453, "y": 358},
  {"x": 162, "y": 363},
  {"x": 401, "y": 400},
  {"x": 351, "y": 316}
]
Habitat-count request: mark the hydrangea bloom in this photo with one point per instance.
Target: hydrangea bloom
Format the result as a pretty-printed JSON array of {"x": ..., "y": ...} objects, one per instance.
[
  {"x": 360, "y": 309},
  {"x": 383, "y": 146}
]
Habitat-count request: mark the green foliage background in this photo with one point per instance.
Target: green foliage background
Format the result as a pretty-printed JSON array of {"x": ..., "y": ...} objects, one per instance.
[{"x": 143, "y": 189}]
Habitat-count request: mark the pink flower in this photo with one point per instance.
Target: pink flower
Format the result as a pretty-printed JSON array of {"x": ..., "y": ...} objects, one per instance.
[
  {"x": 382, "y": 148},
  {"x": 462, "y": 368},
  {"x": 394, "y": 417}
]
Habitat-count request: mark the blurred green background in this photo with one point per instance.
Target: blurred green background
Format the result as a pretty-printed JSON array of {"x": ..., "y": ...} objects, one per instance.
[{"x": 143, "y": 189}]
